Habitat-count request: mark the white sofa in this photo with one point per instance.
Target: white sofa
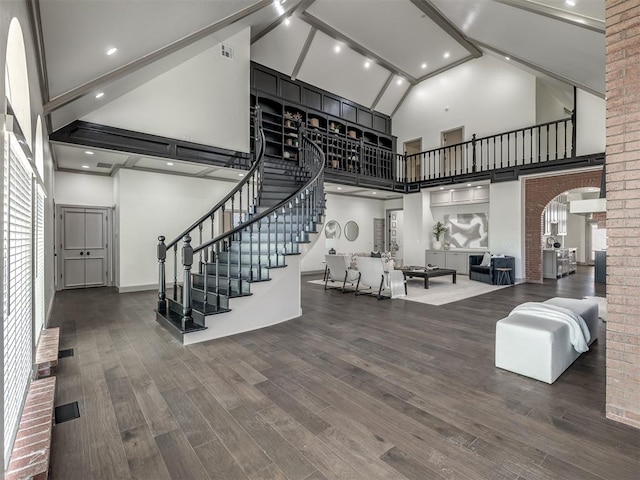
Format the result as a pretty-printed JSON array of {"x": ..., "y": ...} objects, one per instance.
[{"x": 540, "y": 348}]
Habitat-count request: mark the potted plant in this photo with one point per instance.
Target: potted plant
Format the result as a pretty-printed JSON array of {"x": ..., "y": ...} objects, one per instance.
[{"x": 438, "y": 230}]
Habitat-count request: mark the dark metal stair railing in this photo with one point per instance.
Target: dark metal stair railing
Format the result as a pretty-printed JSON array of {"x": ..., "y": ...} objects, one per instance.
[
  {"x": 244, "y": 196},
  {"x": 544, "y": 142},
  {"x": 290, "y": 218}
]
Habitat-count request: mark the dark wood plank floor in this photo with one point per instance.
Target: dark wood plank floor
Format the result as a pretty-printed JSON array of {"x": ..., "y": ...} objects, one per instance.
[{"x": 355, "y": 389}]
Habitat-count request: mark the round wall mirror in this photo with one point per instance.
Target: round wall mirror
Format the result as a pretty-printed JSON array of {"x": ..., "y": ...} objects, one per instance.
[
  {"x": 351, "y": 230},
  {"x": 332, "y": 229}
]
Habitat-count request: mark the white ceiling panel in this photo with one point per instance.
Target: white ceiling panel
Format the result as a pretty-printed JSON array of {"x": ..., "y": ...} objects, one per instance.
[
  {"x": 172, "y": 166},
  {"x": 396, "y": 30},
  {"x": 77, "y": 33},
  {"x": 392, "y": 95},
  {"x": 75, "y": 158},
  {"x": 280, "y": 48},
  {"x": 342, "y": 73},
  {"x": 572, "y": 52},
  {"x": 227, "y": 173}
]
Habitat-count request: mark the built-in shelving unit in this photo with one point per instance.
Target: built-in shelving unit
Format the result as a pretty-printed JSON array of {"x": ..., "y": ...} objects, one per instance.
[{"x": 352, "y": 136}]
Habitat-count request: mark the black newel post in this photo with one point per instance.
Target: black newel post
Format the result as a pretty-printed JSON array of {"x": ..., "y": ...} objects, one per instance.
[
  {"x": 473, "y": 150},
  {"x": 162, "y": 292},
  {"x": 187, "y": 261}
]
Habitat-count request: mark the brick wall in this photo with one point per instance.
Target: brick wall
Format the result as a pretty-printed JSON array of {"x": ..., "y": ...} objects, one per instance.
[
  {"x": 623, "y": 211},
  {"x": 538, "y": 193}
]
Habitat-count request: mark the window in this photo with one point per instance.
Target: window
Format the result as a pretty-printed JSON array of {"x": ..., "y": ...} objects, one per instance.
[{"x": 17, "y": 284}]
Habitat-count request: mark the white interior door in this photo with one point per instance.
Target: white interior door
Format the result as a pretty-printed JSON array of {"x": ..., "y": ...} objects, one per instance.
[{"x": 83, "y": 247}]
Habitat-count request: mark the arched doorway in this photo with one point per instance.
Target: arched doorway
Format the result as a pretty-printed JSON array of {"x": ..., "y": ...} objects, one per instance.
[{"x": 538, "y": 193}]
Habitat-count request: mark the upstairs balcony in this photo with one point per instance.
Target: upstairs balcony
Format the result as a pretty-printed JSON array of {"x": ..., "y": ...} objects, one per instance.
[{"x": 504, "y": 156}]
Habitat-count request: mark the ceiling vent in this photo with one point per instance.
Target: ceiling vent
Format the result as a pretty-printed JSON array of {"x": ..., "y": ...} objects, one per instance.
[
  {"x": 104, "y": 165},
  {"x": 226, "y": 51}
]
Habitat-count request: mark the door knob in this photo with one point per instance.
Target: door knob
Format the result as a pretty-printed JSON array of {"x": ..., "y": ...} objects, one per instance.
[
  {"x": 81, "y": 253},
  {"x": 88, "y": 253}
]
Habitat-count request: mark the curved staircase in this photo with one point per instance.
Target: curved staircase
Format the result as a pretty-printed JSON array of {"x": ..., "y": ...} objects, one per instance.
[{"x": 263, "y": 225}]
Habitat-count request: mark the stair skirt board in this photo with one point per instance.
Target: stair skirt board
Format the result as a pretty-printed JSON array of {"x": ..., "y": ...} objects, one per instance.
[{"x": 271, "y": 303}]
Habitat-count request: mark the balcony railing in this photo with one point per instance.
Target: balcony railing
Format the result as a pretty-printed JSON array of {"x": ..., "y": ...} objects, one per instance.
[{"x": 546, "y": 142}]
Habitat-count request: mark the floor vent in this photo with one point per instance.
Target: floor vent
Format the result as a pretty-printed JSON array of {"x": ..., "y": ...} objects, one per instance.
[
  {"x": 65, "y": 353},
  {"x": 67, "y": 412}
]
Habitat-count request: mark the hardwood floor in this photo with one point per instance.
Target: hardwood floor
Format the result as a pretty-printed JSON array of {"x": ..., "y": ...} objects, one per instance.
[{"x": 355, "y": 389}]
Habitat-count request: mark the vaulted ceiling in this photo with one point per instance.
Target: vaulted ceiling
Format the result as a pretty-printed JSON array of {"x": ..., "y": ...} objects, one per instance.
[{"x": 370, "y": 51}]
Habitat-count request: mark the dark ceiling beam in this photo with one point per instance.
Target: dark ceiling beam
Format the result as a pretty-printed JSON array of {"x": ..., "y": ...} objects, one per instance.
[
  {"x": 542, "y": 70},
  {"x": 303, "y": 53},
  {"x": 78, "y": 92},
  {"x": 303, "y": 5},
  {"x": 574, "y": 19},
  {"x": 404, "y": 97},
  {"x": 443, "y": 22},
  {"x": 381, "y": 93},
  {"x": 355, "y": 46}
]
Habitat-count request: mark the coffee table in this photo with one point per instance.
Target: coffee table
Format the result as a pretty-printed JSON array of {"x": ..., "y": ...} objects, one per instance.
[{"x": 421, "y": 272}]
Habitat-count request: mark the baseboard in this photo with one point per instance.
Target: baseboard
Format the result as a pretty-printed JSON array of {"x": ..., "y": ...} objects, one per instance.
[
  {"x": 137, "y": 288},
  {"x": 49, "y": 310},
  {"x": 312, "y": 272}
]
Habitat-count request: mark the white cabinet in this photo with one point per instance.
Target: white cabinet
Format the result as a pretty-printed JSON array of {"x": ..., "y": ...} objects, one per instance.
[
  {"x": 458, "y": 261},
  {"x": 454, "y": 260},
  {"x": 432, "y": 257}
]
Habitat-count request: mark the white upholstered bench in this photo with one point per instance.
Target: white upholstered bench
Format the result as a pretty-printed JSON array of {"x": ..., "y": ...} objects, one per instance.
[{"x": 539, "y": 348}]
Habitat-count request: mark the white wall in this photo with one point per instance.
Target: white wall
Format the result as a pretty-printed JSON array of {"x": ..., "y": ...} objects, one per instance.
[
  {"x": 591, "y": 129},
  {"x": 153, "y": 204},
  {"x": 506, "y": 222},
  {"x": 342, "y": 209},
  {"x": 484, "y": 95},
  {"x": 551, "y": 102},
  {"x": 82, "y": 189},
  {"x": 576, "y": 228},
  {"x": 417, "y": 216},
  {"x": 204, "y": 100}
]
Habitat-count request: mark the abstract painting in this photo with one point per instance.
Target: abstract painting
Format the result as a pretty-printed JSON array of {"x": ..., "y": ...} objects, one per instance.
[{"x": 467, "y": 230}]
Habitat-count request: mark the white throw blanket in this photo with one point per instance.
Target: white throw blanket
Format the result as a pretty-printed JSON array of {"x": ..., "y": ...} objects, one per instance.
[{"x": 578, "y": 331}]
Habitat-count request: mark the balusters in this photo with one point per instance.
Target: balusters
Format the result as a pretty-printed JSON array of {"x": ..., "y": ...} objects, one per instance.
[
  {"x": 565, "y": 138},
  {"x": 538, "y": 144},
  {"x": 200, "y": 238},
  {"x": 217, "y": 260},
  {"x": 259, "y": 248},
  {"x": 269, "y": 239},
  {"x": 175, "y": 272},
  {"x": 205, "y": 277},
  {"x": 162, "y": 255},
  {"x": 556, "y": 155},
  {"x": 187, "y": 261},
  {"x": 547, "y": 142},
  {"x": 251, "y": 251}
]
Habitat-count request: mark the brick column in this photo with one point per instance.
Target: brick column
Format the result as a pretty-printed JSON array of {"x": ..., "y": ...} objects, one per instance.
[{"x": 623, "y": 211}]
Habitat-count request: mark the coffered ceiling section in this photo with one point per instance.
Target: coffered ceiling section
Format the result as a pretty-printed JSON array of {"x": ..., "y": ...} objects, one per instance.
[{"x": 79, "y": 34}]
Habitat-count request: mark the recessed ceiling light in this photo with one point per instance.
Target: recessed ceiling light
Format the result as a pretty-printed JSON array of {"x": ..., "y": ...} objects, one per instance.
[
  {"x": 287, "y": 21},
  {"x": 479, "y": 186},
  {"x": 100, "y": 95},
  {"x": 446, "y": 54},
  {"x": 452, "y": 190},
  {"x": 399, "y": 82},
  {"x": 338, "y": 188},
  {"x": 170, "y": 164},
  {"x": 468, "y": 184},
  {"x": 507, "y": 58},
  {"x": 337, "y": 49},
  {"x": 423, "y": 66},
  {"x": 88, "y": 152},
  {"x": 374, "y": 193},
  {"x": 367, "y": 64},
  {"x": 86, "y": 166},
  {"x": 241, "y": 174},
  {"x": 111, "y": 51},
  {"x": 441, "y": 188},
  {"x": 571, "y": 3}
]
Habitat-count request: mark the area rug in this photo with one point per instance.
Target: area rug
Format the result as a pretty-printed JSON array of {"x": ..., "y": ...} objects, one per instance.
[
  {"x": 602, "y": 306},
  {"x": 441, "y": 290}
]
